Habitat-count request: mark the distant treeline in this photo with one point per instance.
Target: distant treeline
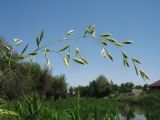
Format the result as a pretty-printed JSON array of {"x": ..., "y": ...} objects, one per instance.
[{"x": 102, "y": 87}]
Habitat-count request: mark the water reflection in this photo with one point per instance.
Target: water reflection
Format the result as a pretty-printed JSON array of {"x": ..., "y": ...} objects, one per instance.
[
  {"x": 132, "y": 112},
  {"x": 127, "y": 112},
  {"x": 137, "y": 116}
]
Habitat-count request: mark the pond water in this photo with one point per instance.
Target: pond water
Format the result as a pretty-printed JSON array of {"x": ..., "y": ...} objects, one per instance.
[
  {"x": 140, "y": 112},
  {"x": 137, "y": 116}
]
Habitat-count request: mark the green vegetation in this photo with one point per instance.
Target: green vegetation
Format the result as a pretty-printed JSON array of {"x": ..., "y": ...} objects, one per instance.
[{"x": 34, "y": 108}]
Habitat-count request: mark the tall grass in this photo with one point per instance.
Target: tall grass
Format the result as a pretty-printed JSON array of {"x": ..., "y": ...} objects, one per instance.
[{"x": 33, "y": 108}]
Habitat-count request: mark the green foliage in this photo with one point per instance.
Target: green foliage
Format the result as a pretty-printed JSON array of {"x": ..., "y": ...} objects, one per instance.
[{"x": 31, "y": 107}]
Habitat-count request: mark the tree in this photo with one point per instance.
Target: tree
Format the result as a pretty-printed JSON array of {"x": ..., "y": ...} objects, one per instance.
[
  {"x": 28, "y": 77},
  {"x": 21, "y": 80},
  {"x": 100, "y": 87},
  {"x": 115, "y": 87},
  {"x": 58, "y": 87},
  {"x": 71, "y": 91},
  {"x": 18, "y": 82},
  {"x": 83, "y": 90},
  {"x": 145, "y": 87},
  {"x": 138, "y": 87},
  {"x": 126, "y": 87}
]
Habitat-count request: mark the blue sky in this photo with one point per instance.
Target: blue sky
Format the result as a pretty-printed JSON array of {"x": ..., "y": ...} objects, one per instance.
[{"x": 136, "y": 20}]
